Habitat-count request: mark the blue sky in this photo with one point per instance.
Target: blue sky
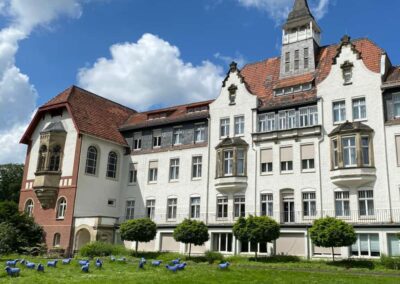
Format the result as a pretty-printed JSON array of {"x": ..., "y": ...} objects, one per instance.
[{"x": 173, "y": 51}]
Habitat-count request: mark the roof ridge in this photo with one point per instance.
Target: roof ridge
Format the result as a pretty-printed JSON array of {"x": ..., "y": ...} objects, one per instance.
[{"x": 176, "y": 106}]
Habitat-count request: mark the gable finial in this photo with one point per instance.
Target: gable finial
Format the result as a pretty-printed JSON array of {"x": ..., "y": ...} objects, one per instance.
[
  {"x": 233, "y": 67},
  {"x": 345, "y": 40}
]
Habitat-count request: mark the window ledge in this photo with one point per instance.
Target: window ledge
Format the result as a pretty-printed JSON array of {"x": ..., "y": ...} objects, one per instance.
[
  {"x": 60, "y": 218},
  {"x": 174, "y": 180},
  {"x": 152, "y": 182},
  {"x": 196, "y": 179},
  {"x": 308, "y": 171},
  {"x": 286, "y": 172},
  {"x": 267, "y": 174}
]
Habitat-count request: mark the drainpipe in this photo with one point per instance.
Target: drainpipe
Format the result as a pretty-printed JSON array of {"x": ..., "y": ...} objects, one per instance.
[
  {"x": 320, "y": 140},
  {"x": 208, "y": 167},
  {"x": 255, "y": 165},
  {"x": 387, "y": 168}
]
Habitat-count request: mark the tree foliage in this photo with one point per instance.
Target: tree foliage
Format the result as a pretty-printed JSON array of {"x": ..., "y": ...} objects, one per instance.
[
  {"x": 256, "y": 230},
  {"x": 330, "y": 232},
  {"x": 138, "y": 230},
  {"x": 191, "y": 232},
  {"x": 10, "y": 181},
  {"x": 17, "y": 231}
]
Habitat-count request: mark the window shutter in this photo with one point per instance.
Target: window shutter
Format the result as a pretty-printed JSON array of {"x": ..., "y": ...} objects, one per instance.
[
  {"x": 266, "y": 156},
  {"x": 286, "y": 154},
  {"x": 307, "y": 152},
  {"x": 398, "y": 149},
  {"x": 153, "y": 165}
]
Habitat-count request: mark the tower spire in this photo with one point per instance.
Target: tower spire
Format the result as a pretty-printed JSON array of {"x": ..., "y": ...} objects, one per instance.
[{"x": 300, "y": 15}]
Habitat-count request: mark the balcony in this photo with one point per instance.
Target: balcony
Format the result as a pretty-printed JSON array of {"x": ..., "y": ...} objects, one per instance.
[
  {"x": 46, "y": 186},
  {"x": 353, "y": 177},
  {"x": 231, "y": 184}
]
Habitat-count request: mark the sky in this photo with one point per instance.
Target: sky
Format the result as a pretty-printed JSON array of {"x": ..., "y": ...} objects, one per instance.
[{"x": 148, "y": 54}]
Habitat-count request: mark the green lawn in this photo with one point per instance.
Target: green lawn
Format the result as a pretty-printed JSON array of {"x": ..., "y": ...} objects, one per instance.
[{"x": 241, "y": 271}]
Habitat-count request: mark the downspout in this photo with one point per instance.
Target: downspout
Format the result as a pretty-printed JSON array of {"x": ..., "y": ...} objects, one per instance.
[
  {"x": 255, "y": 165},
  {"x": 320, "y": 140},
  {"x": 208, "y": 167}
]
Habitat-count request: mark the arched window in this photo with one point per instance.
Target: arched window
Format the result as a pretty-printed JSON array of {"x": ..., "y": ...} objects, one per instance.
[
  {"x": 29, "y": 207},
  {"x": 112, "y": 165},
  {"x": 56, "y": 240},
  {"x": 42, "y": 158},
  {"x": 91, "y": 160},
  {"x": 61, "y": 208},
  {"x": 55, "y": 158}
]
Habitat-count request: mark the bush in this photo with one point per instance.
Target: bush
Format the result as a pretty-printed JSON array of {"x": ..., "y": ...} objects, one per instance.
[
  {"x": 213, "y": 256},
  {"x": 102, "y": 249},
  {"x": 390, "y": 262}
]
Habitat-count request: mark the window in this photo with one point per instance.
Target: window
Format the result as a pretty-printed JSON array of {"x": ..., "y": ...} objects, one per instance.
[
  {"x": 349, "y": 151},
  {"x": 130, "y": 209},
  {"x": 394, "y": 245},
  {"x": 199, "y": 133},
  {"x": 239, "y": 205},
  {"x": 396, "y": 105},
  {"x": 177, "y": 136},
  {"x": 197, "y": 167},
  {"x": 195, "y": 207},
  {"x": 157, "y": 138},
  {"x": 91, "y": 160},
  {"x": 359, "y": 109},
  {"x": 239, "y": 125},
  {"x": 286, "y": 155},
  {"x": 366, "y": 245},
  {"x": 61, "y": 208},
  {"x": 172, "y": 207},
  {"x": 266, "y": 122},
  {"x": 366, "y": 202},
  {"x": 55, "y": 158},
  {"x": 266, "y": 161},
  {"x": 228, "y": 163},
  {"x": 313, "y": 115},
  {"x": 240, "y": 162},
  {"x": 150, "y": 208},
  {"x": 339, "y": 111},
  {"x": 270, "y": 121},
  {"x": 222, "y": 207},
  {"x": 335, "y": 154},
  {"x": 133, "y": 173},
  {"x": 365, "y": 150},
  {"x": 112, "y": 165},
  {"x": 56, "y": 240},
  {"x": 248, "y": 247},
  {"x": 224, "y": 127},
  {"x": 174, "y": 169},
  {"x": 308, "y": 116},
  {"x": 137, "y": 141},
  {"x": 287, "y": 119},
  {"x": 222, "y": 242},
  {"x": 287, "y": 62},
  {"x": 342, "y": 203},
  {"x": 29, "y": 207},
  {"x": 291, "y": 119},
  {"x": 153, "y": 171},
  {"x": 111, "y": 202},
  {"x": 267, "y": 205},
  {"x": 307, "y": 157},
  {"x": 309, "y": 204},
  {"x": 282, "y": 120},
  {"x": 303, "y": 117},
  {"x": 296, "y": 60},
  {"x": 306, "y": 56},
  {"x": 348, "y": 74},
  {"x": 397, "y": 140},
  {"x": 42, "y": 158},
  {"x": 262, "y": 122}
]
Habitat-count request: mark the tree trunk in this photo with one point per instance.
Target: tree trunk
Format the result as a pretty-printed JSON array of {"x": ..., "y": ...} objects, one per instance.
[
  {"x": 256, "y": 250},
  {"x": 137, "y": 245},
  {"x": 190, "y": 249},
  {"x": 333, "y": 254}
]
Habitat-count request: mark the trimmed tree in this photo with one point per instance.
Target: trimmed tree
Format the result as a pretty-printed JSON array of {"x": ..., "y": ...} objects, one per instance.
[
  {"x": 191, "y": 232},
  {"x": 256, "y": 230},
  {"x": 138, "y": 230},
  {"x": 330, "y": 232}
]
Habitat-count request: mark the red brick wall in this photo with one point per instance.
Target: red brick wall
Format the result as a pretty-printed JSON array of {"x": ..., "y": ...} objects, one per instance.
[{"x": 47, "y": 218}]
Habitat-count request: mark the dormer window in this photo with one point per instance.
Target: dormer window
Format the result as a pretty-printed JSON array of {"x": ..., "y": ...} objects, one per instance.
[{"x": 347, "y": 69}]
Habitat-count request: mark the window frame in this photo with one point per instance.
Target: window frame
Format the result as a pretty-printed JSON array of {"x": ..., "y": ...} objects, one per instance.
[
  {"x": 222, "y": 207},
  {"x": 61, "y": 208},
  {"x": 366, "y": 203},
  {"x": 174, "y": 165},
  {"x": 339, "y": 107},
  {"x": 309, "y": 201},
  {"x": 57, "y": 240},
  {"x": 132, "y": 174},
  {"x": 342, "y": 198},
  {"x": 268, "y": 202},
  {"x": 177, "y": 136},
  {"x": 172, "y": 208},
  {"x": 28, "y": 208},
  {"x": 93, "y": 159},
  {"x": 112, "y": 168},
  {"x": 239, "y": 121},
  {"x": 195, "y": 207},
  {"x": 396, "y": 103},
  {"x": 359, "y": 109},
  {"x": 130, "y": 209},
  {"x": 200, "y": 130},
  {"x": 224, "y": 127},
  {"x": 197, "y": 167},
  {"x": 150, "y": 208},
  {"x": 239, "y": 206}
]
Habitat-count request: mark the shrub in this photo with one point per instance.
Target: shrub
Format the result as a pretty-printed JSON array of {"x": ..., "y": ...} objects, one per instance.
[
  {"x": 213, "y": 256},
  {"x": 102, "y": 249},
  {"x": 390, "y": 262}
]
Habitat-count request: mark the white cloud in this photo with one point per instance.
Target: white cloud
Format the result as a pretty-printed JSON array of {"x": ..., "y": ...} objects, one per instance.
[
  {"x": 150, "y": 71},
  {"x": 278, "y": 10},
  {"x": 17, "y": 94},
  {"x": 238, "y": 58}
]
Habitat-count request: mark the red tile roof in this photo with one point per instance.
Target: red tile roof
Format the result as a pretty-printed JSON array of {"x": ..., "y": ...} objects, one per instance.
[
  {"x": 393, "y": 76},
  {"x": 92, "y": 114}
]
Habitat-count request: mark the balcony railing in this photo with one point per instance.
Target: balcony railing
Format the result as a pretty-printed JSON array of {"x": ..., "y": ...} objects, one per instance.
[{"x": 377, "y": 216}]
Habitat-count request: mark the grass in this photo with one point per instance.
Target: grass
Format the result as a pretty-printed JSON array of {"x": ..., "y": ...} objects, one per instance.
[{"x": 242, "y": 270}]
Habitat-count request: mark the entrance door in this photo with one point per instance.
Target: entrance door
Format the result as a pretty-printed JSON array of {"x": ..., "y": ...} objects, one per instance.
[{"x": 288, "y": 211}]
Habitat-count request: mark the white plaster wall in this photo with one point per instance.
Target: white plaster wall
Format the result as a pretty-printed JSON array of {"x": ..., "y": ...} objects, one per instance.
[
  {"x": 69, "y": 149},
  {"x": 182, "y": 189},
  {"x": 220, "y": 108},
  {"x": 394, "y": 169},
  {"x": 94, "y": 191},
  {"x": 366, "y": 84}
]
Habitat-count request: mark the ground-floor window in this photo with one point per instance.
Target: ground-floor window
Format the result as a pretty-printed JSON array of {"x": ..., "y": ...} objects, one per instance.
[
  {"x": 222, "y": 242},
  {"x": 394, "y": 245},
  {"x": 366, "y": 245},
  {"x": 247, "y": 247}
]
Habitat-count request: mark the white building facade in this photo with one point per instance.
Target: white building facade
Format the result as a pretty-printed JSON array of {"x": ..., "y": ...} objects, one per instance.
[{"x": 312, "y": 133}]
